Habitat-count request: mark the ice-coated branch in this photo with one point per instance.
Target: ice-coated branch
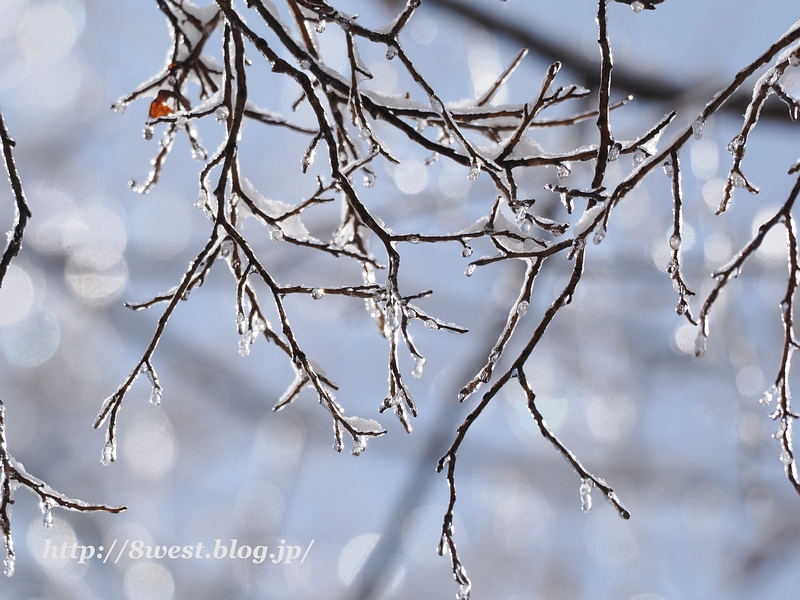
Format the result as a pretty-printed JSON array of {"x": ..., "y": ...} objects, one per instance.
[{"x": 21, "y": 213}]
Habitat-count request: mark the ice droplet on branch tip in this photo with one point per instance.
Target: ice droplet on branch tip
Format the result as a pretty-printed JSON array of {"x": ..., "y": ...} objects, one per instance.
[
  {"x": 470, "y": 270},
  {"x": 599, "y": 235},
  {"x": 320, "y": 28},
  {"x": 391, "y": 51},
  {"x": 9, "y": 566},
  {"x": 474, "y": 169},
  {"x": 786, "y": 457},
  {"x": 317, "y": 293},
  {"x": 47, "y": 513},
  {"x": 637, "y": 7},
  {"x": 148, "y": 132},
  {"x": 109, "y": 454},
  {"x": 419, "y": 364},
  {"x": 222, "y": 114},
  {"x": 700, "y": 344},
  {"x": 586, "y": 496},
  {"x": 466, "y": 252}
]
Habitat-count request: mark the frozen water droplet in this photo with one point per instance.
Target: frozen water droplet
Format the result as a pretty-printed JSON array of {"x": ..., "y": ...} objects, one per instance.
[
  {"x": 119, "y": 108},
  {"x": 637, "y": 7},
  {"x": 391, "y": 51},
  {"x": 359, "y": 445},
  {"x": 305, "y": 64},
  {"x": 317, "y": 293},
  {"x": 148, "y": 132},
  {"x": 155, "y": 395},
  {"x": 737, "y": 180},
  {"x": 466, "y": 252},
  {"x": 411, "y": 313},
  {"x": 369, "y": 180},
  {"x": 109, "y": 454},
  {"x": 522, "y": 308},
  {"x": 181, "y": 121},
  {"x": 675, "y": 241},
  {"x": 474, "y": 169},
  {"x": 494, "y": 357},
  {"x": 786, "y": 457},
  {"x": 47, "y": 513},
  {"x": 769, "y": 395},
  {"x": 563, "y": 171},
  {"x": 735, "y": 144},
  {"x": 436, "y": 104},
  {"x": 697, "y": 129},
  {"x": 613, "y": 152},
  {"x": 431, "y": 324},
  {"x": 578, "y": 244},
  {"x": 414, "y": 239},
  {"x": 525, "y": 227},
  {"x": 484, "y": 375},
  {"x": 781, "y": 430},
  {"x": 586, "y": 496},
  {"x": 599, "y": 235},
  {"x": 222, "y": 114},
  {"x": 463, "y": 589},
  {"x": 668, "y": 170},
  {"x": 638, "y": 157},
  {"x": 700, "y": 344},
  {"x": 275, "y": 234},
  {"x": 470, "y": 270},
  {"x": 794, "y": 60},
  {"x": 8, "y": 566},
  {"x": 320, "y": 28},
  {"x": 419, "y": 363},
  {"x": 519, "y": 215},
  {"x": 672, "y": 266}
]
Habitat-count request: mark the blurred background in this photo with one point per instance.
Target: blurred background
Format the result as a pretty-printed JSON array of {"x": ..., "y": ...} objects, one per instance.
[{"x": 684, "y": 441}]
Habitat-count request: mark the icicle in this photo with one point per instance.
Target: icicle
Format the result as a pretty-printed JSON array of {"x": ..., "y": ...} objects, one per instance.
[
  {"x": 522, "y": 308},
  {"x": 109, "y": 454},
  {"x": 637, "y": 7},
  {"x": 586, "y": 495},
  {"x": 470, "y": 270},
  {"x": 47, "y": 512},
  {"x": 463, "y": 591},
  {"x": 419, "y": 363},
  {"x": 9, "y": 566},
  {"x": 155, "y": 395},
  {"x": 697, "y": 129},
  {"x": 466, "y": 252},
  {"x": 700, "y": 344},
  {"x": 359, "y": 445},
  {"x": 317, "y": 293},
  {"x": 474, "y": 169}
]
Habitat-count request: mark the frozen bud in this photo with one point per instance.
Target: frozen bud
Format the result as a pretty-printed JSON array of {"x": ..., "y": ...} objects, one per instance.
[
  {"x": 522, "y": 308},
  {"x": 638, "y": 157},
  {"x": 317, "y": 293},
  {"x": 391, "y": 51},
  {"x": 697, "y": 129},
  {"x": 466, "y": 252},
  {"x": 675, "y": 241},
  {"x": 470, "y": 270},
  {"x": 148, "y": 132},
  {"x": 222, "y": 114},
  {"x": 419, "y": 363},
  {"x": 700, "y": 344},
  {"x": 431, "y": 324},
  {"x": 737, "y": 180},
  {"x": 637, "y": 7},
  {"x": 586, "y": 495},
  {"x": 786, "y": 457},
  {"x": 668, "y": 170}
]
